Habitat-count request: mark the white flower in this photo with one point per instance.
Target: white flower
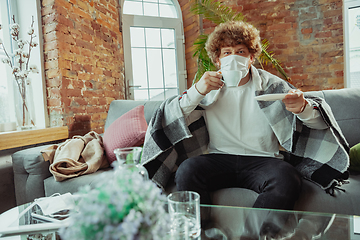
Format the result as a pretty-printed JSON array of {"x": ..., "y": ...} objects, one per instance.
[
  {"x": 14, "y": 33},
  {"x": 18, "y": 52},
  {"x": 33, "y": 44},
  {"x": 16, "y": 69},
  {"x": 31, "y": 31},
  {"x": 20, "y": 43},
  {"x": 34, "y": 69},
  {"x": 25, "y": 55},
  {"x": 15, "y": 27},
  {"x": 22, "y": 74},
  {"x": 5, "y": 60}
]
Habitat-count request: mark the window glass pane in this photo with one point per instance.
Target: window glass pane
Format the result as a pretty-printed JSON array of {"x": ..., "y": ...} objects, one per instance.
[
  {"x": 139, "y": 67},
  {"x": 156, "y": 72},
  {"x": 166, "y": 1},
  {"x": 9, "y": 91},
  {"x": 168, "y": 38},
  {"x": 4, "y": 106},
  {"x": 167, "y": 11},
  {"x": 153, "y": 37},
  {"x": 5, "y": 97},
  {"x": 151, "y": 9},
  {"x": 141, "y": 94},
  {"x": 137, "y": 37},
  {"x": 155, "y": 69},
  {"x": 354, "y": 46},
  {"x": 157, "y": 94},
  {"x": 7, "y": 113},
  {"x": 171, "y": 92},
  {"x": 170, "y": 73},
  {"x": 133, "y": 8}
]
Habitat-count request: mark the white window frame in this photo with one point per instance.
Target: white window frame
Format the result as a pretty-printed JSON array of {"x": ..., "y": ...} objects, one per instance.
[
  {"x": 24, "y": 10},
  {"x": 348, "y": 4},
  {"x": 156, "y": 22}
]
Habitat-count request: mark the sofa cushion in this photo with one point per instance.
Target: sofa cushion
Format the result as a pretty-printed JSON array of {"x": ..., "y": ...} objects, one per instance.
[
  {"x": 345, "y": 201},
  {"x": 29, "y": 171},
  {"x": 344, "y": 103},
  {"x": 126, "y": 131},
  {"x": 71, "y": 185}
]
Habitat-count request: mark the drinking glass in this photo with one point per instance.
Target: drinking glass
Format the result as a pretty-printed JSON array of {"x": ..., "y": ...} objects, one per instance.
[
  {"x": 181, "y": 232},
  {"x": 184, "y": 210},
  {"x": 130, "y": 159}
]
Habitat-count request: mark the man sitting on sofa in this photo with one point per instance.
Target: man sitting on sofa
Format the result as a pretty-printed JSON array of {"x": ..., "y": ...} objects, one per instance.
[
  {"x": 244, "y": 133},
  {"x": 243, "y": 148}
]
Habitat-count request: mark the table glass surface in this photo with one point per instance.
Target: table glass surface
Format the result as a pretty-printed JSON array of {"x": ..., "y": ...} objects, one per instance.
[
  {"x": 10, "y": 219},
  {"x": 250, "y": 223},
  {"x": 226, "y": 222}
]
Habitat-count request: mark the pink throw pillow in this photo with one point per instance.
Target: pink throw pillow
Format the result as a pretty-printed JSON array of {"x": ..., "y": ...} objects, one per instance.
[{"x": 126, "y": 131}]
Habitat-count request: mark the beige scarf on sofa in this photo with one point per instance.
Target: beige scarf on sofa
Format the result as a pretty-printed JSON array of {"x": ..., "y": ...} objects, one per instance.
[{"x": 76, "y": 156}]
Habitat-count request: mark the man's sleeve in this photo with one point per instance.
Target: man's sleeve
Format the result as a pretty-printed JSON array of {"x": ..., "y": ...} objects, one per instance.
[
  {"x": 311, "y": 117},
  {"x": 190, "y": 100}
]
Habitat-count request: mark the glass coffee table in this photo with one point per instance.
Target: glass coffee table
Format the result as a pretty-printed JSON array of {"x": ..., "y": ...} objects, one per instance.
[
  {"x": 218, "y": 222},
  {"x": 26, "y": 222},
  {"x": 250, "y": 223}
]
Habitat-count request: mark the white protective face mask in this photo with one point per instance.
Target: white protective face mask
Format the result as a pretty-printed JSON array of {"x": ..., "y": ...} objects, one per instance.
[
  {"x": 55, "y": 203},
  {"x": 235, "y": 63}
]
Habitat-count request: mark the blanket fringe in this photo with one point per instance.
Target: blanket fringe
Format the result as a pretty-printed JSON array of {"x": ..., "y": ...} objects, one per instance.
[{"x": 336, "y": 186}]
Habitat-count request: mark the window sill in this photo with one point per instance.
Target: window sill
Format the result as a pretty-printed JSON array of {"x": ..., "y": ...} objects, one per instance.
[{"x": 10, "y": 140}]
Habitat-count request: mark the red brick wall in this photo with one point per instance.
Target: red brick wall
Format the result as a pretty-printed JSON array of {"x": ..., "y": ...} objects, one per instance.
[
  {"x": 83, "y": 62},
  {"x": 306, "y": 36},
  {"x": 192, "y": 30}
]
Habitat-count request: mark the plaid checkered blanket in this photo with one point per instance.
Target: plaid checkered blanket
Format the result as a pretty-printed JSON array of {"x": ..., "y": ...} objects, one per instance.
[{"x": 319, "y": 155}]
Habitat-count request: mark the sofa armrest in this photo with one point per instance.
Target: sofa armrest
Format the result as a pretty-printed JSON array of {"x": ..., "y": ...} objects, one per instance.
[{"x": 30, "y": 171}]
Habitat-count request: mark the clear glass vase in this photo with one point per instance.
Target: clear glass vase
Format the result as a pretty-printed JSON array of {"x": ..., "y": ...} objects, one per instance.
[
  {"x": 130, "y": 158},
  {"x": 24, "y": 105}
]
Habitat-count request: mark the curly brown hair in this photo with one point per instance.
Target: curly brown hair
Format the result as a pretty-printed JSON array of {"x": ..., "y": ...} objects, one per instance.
[{"x": 230, "y": 34}]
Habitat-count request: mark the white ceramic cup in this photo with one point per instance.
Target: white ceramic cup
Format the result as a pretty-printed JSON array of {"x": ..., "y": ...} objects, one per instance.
[
  {"x": 231, "y": 78},
  {"x": 184, "y": 210}
]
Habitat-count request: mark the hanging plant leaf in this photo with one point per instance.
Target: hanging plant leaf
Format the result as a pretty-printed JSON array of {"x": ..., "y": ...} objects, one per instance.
[
  {"x": 268, "y": 57},
  {"x": 215, "y": 11}
]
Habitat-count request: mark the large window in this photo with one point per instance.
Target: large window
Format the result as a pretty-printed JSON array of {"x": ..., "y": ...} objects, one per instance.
[
  {"x": 352, "y": 42},
  {"x": 153, "y": 49},
  {"x": 23, "y": 11}
]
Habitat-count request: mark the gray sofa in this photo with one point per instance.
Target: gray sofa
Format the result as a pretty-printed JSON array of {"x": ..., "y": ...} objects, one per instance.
[{"x": 33, "y": 179}]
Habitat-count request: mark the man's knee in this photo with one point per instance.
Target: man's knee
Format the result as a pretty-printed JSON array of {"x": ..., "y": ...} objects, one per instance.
[
  {"x": 191, "y": 173},
  {"x": 185, "y": 174},
  {"x": 288, "y": 178},
  {"x": 186, "y": 168}
]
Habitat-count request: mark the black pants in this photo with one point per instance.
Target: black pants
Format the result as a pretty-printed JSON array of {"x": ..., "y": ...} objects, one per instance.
[{"x": 277, "y": 182}]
